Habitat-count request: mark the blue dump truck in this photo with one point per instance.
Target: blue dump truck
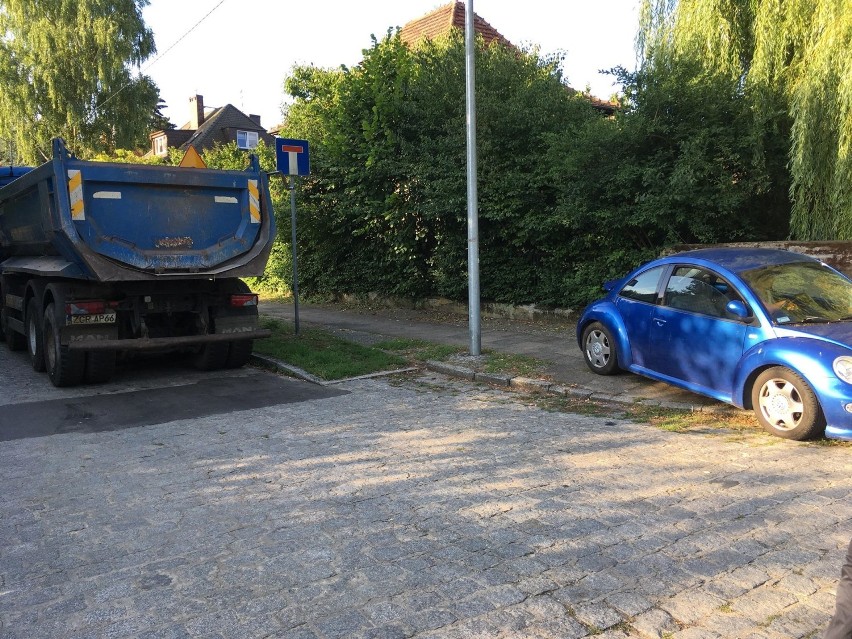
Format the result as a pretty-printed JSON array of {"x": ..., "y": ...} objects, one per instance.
[{"x": 99, "y": 260}]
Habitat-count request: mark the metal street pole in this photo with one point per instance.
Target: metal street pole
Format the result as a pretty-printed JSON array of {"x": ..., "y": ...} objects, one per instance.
[
  {"x": 293, "y": 179},
  {"x": 472, "y": 209}
]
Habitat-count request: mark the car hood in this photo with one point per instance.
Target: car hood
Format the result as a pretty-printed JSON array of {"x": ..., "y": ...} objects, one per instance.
[{"x": 837, "y": 332}]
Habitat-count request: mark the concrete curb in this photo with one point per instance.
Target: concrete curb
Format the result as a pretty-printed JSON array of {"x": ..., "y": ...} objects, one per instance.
[
  {"x": 270, "y": 363},
  {"x": 396, "y": 371},
  {"x": 522, "y": 384},
  {"x": 526, "y": 384}
]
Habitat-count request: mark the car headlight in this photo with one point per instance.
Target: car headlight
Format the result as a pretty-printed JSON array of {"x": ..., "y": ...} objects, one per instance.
[{"x": 843, "y": 368}]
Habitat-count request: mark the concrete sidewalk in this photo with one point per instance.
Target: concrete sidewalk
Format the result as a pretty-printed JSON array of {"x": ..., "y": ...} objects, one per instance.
[{"x": 551, "y": 340}]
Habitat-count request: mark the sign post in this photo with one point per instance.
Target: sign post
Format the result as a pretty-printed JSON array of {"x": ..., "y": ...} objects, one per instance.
[
  {"x": 473, "y": 295},
  {"x": 293, "y": 159}
]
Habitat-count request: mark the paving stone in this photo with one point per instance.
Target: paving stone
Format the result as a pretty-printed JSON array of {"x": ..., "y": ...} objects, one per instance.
[
  {"x": 630, "y": 604},
  {"x": 654, "y": 624},
  {"x": 691, "y": 605},
  {"x": 763, "y": 603},
  {"x": 597, "y": 616},
  {"x": 347, "y": 623},
  {"x": 798, "y": 621},
  {"x": 695, "y": 633},
  {"x": 729, "y": 624},
  {"x": 424, "y": 508}
]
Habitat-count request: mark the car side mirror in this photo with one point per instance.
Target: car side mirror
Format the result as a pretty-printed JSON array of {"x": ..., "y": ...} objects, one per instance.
[{"x": 738, "y": 309}]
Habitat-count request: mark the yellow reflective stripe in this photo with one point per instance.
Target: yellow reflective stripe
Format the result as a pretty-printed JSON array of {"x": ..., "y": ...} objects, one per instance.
[
  {"x": 75, "y": 180},
  {"x": 254, "y": 202},
  {"x": 75, "y": 191}
]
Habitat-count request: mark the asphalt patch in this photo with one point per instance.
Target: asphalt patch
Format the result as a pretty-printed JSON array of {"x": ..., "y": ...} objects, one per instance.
[{"x": 102, "y": 413}]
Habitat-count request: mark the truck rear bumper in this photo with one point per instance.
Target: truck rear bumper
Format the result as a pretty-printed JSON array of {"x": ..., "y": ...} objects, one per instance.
[{"x": 150, "y": 344}]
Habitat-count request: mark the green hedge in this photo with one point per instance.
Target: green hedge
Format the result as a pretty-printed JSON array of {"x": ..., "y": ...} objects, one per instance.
[{"x": 568, "y": 197}]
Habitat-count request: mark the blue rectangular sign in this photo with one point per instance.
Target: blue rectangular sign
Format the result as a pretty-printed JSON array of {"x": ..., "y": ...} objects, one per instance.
[{"x": 292, "y": 156}]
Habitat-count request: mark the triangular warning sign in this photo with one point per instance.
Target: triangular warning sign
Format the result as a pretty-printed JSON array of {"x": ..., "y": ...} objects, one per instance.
[{"x": 191, "y": 159}]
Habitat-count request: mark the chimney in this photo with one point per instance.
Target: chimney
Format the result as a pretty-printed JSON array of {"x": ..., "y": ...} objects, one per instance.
[
  {"x": 196, "y": 111},
  {"x": 255, "y": 118}
]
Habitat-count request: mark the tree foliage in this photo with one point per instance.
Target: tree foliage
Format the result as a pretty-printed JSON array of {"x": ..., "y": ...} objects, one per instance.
[
  {"x": 65, "y": 70},
  {"x": 793, "y": 57},
  {"x": 567, "y": 196},
  {"x": 683, "y": 161},
  {"x": 386, "y": 207}
]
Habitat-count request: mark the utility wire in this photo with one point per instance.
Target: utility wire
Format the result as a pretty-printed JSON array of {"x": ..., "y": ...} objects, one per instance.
[
  {"x": 160, "y": 57},
  {"x": 176, "y": 42}
]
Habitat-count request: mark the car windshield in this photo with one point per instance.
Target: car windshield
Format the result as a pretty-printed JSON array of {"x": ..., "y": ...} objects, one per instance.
[{"x": 802, "y": 292}]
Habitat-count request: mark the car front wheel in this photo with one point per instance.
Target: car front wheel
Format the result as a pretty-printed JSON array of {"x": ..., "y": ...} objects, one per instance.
[
  {"x": 599, "y": 349},
  {"x": 786, "y": 405}
]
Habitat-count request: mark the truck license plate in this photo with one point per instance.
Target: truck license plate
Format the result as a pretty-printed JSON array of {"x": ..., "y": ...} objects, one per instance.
[{"x": 97, "y": 318}]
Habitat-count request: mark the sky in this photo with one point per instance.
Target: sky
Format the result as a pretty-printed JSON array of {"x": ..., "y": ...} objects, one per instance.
[{"x": 242, "y": 50}]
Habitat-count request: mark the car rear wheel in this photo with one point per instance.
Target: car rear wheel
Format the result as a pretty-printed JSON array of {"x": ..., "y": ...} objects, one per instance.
[
  {"x": 599, "y": 349},
  {"x": 786, "y": 405}
]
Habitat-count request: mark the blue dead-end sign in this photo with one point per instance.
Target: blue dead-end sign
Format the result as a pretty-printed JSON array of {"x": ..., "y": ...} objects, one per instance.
[{"x": 292, "y": 156}]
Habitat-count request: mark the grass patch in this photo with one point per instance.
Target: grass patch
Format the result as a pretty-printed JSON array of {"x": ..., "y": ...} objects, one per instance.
[
  {"x": 556, "y": 403},
  {"x": 419, "y": 350},
  {"x": 322, "y": 354},
  {"x": 275, "y": 298},
  {"x": 512, "y": 364},
  {"x": 681, "y": 421},
  {"x": 667, "y": 419},
  {"x": 329, "y": 357}
]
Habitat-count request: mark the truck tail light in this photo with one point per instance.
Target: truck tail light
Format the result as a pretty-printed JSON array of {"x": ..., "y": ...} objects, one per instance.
[
  {"x": 89, "y": 307},
  {"x": 242, "y": 300}
]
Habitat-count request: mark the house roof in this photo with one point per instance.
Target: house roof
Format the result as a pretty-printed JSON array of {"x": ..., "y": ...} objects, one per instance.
[
  {"x": 452, "y": 16},
  {"x": 604, "y": 106},
  {"x": 442, "y": 20},
  {"x": 216, "y": 126},
  {"x": 176, "y": 137}
]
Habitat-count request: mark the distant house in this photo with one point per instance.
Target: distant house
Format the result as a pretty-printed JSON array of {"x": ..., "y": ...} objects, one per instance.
[
  {"x": 441, "y": 20},
  {"x": 205, "y": 129},
  {"x": 452, "y": 16}
]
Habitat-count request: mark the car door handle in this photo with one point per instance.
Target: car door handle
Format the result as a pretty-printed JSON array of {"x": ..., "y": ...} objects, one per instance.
[{"x": 659, "y": 322}]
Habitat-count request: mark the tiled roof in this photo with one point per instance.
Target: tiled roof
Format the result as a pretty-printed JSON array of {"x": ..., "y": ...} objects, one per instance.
[
  {"x": 604, "y": 106},
  {"x": 219, "y": 127},
  {"x": 452, "y": 16},
  {"x": 440, "y": 21}
]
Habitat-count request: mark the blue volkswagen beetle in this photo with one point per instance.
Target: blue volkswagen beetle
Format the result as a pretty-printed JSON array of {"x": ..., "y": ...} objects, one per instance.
[{"x": 765, "y": 329}]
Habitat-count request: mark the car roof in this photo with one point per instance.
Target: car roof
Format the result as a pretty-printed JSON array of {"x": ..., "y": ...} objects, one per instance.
[{"x": 739, "y": 259}]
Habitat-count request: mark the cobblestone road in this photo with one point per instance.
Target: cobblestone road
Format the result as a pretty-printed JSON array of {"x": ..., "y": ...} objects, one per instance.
[{"x": 424, "y": 508}]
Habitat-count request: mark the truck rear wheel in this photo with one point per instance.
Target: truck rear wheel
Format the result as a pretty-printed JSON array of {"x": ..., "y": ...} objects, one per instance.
[
  {"x": 64, "y": 366},
  {"x": 211, "y": 356},
  {"x": 100, "y": 366},
  {"x": 35, "y": 340},
  {"x": 239, "y": 353}
]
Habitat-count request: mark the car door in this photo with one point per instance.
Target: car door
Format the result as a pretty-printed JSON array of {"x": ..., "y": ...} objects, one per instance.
[
  {"x": 635, "y": 303},
  {"x": 693, "y": 338}
]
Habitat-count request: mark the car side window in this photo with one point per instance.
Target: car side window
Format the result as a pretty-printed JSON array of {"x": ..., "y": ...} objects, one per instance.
[
  {"x": 643, "y": 287},
  {"x": 698, "y": 290}
]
